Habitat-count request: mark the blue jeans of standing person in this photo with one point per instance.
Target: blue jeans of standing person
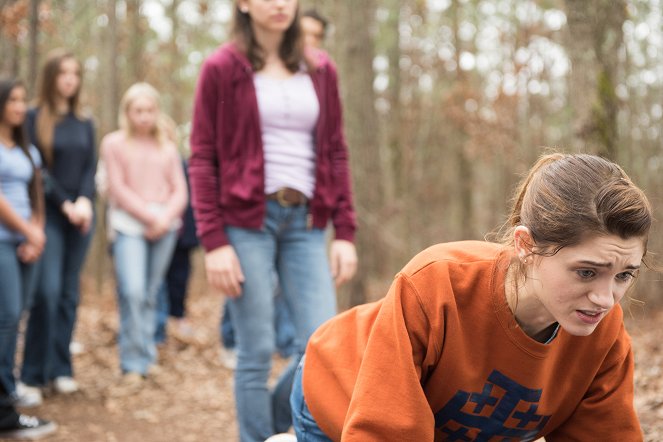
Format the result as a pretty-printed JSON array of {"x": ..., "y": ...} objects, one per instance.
[
  {"x": 172, "y": 294},
  {"x": 286, "y": 335},
  {"x": 16, "y": 281},
  {"x": 53, "y": 314},
  {"x": 140, "y": 266},
  {"x": 298, "y": 255},
  {"x": 306, "y": 428}
]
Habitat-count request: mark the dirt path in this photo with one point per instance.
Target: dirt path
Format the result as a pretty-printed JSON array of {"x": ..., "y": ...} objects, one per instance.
[{"x": 191, "y": 399}]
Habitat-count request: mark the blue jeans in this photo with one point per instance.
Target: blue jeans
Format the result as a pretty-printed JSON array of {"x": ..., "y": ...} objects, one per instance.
[
  {"x": 53, "y": 315},
  {"x": 298, "y": 255},
  {"x": 15, "y": 280},
  {"x": 286, "y": 335},
  {"x": 306, "y": 428},
  {"x": 140, "y": 266},
  {"x": 172, "y": 294}
]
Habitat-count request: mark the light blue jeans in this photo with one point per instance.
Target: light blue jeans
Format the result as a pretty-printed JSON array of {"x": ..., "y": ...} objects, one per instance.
[
  {"x": 16, "y": 281},
  {"x": 306, "y": 428},
  {"x": 298, "y": 255},
  {"x": 140, "y": 266}
]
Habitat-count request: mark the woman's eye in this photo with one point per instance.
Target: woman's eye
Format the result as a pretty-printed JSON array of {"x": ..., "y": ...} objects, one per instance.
[
  {"x": 625, "y": 276},
  {"x": 585, "y": 274}
]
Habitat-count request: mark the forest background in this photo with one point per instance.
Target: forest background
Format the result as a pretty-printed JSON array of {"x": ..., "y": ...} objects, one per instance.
[{"x": 446, "y": 102}]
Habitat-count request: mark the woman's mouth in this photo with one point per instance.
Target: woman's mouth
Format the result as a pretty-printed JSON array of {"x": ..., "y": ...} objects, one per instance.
[{"x": 589, "y": 317}]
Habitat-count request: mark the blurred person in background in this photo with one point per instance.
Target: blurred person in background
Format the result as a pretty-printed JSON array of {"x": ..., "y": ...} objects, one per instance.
[
  {"x": 147, "y": 195},
  {"x": 314, "y": 28},
  {"x": 66, "y": 141}
]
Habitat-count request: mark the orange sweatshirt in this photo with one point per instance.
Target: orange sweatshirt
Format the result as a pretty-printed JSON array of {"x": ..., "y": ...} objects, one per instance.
[{"x": 442, "y": 358}]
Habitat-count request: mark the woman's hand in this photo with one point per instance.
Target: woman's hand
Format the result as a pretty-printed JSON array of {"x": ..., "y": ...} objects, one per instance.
[
  {"x": 343, "y": 261},
  {"x": 224, "y": 271},
  {"x": 35, "y": 240},
  {"x": 28, "y": 253},
  {"x": 69, "y": 210},
  {"x": 156, "y": 229},
  {"x": 83, "y": 207},
  {"x": 35, "y": 236}
]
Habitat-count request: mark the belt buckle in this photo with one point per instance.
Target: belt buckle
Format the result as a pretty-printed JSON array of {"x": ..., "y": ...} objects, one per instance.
[{"x": 280, "y": 198}]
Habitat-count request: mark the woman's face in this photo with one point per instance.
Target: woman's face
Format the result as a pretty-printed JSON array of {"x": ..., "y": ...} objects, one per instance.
[
  {"x": 142, "y": 114},
  {"x": 580, "y": 284},
  {"x": 69, "y": 78},
  {"x": 14, "y": 112},
  {"x": 272, "y": 16}
]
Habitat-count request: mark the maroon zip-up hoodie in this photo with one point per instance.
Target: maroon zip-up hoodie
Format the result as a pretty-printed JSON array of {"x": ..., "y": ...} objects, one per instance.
[{"x": 226, "y": 168}]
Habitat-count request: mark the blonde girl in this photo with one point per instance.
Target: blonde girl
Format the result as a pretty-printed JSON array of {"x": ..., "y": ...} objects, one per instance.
[{"x": 147, "y": 195}]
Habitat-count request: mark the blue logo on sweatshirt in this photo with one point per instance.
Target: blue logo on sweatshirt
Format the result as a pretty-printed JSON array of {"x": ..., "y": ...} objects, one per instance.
[{"x": 504, "y": 410}]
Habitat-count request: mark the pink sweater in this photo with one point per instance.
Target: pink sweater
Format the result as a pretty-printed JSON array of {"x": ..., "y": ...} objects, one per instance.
[{"x": 141, "y": 173}]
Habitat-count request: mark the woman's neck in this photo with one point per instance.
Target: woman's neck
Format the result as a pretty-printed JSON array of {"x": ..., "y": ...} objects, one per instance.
[
  {"x": 270, "y": 42},
  {"x": 530, "y": 314},
  {"x": 62, "y": 105},
  {"x": 6, "y": 135}
]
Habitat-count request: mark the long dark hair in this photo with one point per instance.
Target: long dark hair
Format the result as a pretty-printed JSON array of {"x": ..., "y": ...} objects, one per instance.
[
  {"x": 47, "y": 100},
  {"x": 7, "y": 85},
  {"x": 292, "y": 46}
]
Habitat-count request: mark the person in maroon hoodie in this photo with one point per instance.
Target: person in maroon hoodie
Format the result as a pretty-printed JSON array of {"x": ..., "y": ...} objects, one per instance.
[{"x": 269, "y": 170}]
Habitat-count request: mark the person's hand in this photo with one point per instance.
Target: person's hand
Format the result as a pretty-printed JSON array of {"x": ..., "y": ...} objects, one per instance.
[
  {"x": 35, "y": 236},
  {"x": 343, "y": 261},
  {"x": 83, "y": 208},
  {"x": 69, "y": 210},
  {"x": 27, "y": 253},
  {"x": 156, "y": 229},
  {"x": 224, "y": 271}
]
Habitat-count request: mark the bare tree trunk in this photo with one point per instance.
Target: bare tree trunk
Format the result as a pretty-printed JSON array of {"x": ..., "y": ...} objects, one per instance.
[
  {"x": 33, "y": 58},
  {"x": 10, "y": 61},
  {"x": 136, "y": 40},
  {"x": 177, "y": 107},
  {"x": 355, "y": 61},
  {"x": 595, "y": 37},
  {"x": 464, "y": 165}
]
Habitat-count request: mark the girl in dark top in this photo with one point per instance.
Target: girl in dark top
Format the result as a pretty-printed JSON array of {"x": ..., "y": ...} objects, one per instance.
[{"x": 66, "y": 142}]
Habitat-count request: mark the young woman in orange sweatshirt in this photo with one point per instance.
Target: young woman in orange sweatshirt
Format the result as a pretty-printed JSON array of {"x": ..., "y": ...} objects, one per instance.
[{"x": 481, "y": 341}]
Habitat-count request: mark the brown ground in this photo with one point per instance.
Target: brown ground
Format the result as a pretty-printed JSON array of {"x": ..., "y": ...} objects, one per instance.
[{"x": 191, "y": 399}]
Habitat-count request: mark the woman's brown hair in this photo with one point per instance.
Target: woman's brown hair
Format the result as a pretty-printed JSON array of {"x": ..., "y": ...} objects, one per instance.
[
  {"x": 7, "y": 85},
  {"x": 292, "y": 46},
  {"x": 567, "y": 197},
  {"x": 48, "y": 115}
]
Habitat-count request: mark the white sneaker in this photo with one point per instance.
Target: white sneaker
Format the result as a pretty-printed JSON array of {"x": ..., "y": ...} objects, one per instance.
[
  {"x": 65, "y": 385},
  {"x": 76, "y": 348},
  {"x": 228, "y": 358},
  {"x": 282, "y": 437},
  {"x": 27, "y": 396}
]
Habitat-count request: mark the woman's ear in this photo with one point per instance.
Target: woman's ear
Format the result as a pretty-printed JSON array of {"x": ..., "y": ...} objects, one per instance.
[{"x": 523, "y": 243}]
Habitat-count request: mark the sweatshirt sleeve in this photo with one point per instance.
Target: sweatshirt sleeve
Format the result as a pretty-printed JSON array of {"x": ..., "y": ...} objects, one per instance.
[
  {"x": 607, "y": 412},
  {"x": 204, "y": 162},
  {"x": 90, "y": 167},
  {"x": 119, "y": 192},
  {"x": 388, "y": 401},
  {"x": 343, "y": 216}
]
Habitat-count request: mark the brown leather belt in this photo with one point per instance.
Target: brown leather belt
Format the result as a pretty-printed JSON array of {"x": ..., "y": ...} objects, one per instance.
[{"x": 288, "y": 197}]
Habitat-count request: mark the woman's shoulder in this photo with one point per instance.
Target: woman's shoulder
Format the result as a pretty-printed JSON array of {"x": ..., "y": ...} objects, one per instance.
[
  {"x": 35, "y": 154},
  {"x": 113, "y": 140},
  {"x": 455, "y": 253},
  {"x": 319, "y": 59},
  {"x": 225, "y": 56}
]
